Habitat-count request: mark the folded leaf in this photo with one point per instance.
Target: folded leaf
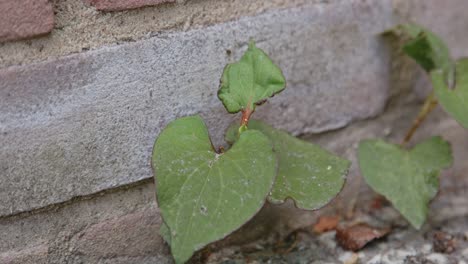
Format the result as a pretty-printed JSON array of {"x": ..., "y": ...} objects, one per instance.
[
  {"x": 454, "y": 101},
  {"x": 308, "y": 174},
  {"x": 251, "y": 80},
  {"x": 427, "y": 49},
  {"x": 449, "y": 79},
  {"x": 203, "y": 195},
  {"x": 407, "y": 178}
]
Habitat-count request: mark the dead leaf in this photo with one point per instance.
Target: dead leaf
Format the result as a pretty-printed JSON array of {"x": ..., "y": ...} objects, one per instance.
[
  {"x": 357, "y": 236},
  {"x": 326, "y": 223},
  {"x": 443, "y": 242},
  {"x": 378, "y": 202}
]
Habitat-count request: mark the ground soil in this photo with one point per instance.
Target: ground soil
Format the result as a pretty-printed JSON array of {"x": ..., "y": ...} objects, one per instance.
[{"x": 443, "y": 239}]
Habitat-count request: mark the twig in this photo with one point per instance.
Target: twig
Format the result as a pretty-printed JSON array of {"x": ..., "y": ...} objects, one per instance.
[
  {"x": 429, "y": 104},
  {"x": 246, "y": 116}
]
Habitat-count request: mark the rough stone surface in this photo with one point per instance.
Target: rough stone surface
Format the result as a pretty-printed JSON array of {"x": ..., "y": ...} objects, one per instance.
[
  {"x": 21, "y": 19},
  {"x": 404, "y": 245},
  {"x": 121, "y": 226},
  {"x": 130, "y": 235},
  {"x": 446, "y": 18},
  {"x": 119, "y": 5},
  {"x": 117, "y": 227},
  {"x": 87, "y": 122},
  {"x": 90, "y": 124},
  {"x": 80, "y": 27},
  {"x": 26, "y": 254}
]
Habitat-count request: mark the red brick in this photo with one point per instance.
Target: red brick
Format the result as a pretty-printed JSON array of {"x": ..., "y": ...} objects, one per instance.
[
  {"x": 22, "y": 19},
  {"x": 118, "y": 5}
]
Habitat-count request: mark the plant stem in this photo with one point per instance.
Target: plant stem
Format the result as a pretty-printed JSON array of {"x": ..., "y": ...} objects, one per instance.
[
  {"x": 246, "y": 116},
  {"x": 429, "y": 104}
]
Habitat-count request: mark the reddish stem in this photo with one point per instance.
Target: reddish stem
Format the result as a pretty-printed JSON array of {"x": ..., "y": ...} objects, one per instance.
[{"x": 246, "y": 113}]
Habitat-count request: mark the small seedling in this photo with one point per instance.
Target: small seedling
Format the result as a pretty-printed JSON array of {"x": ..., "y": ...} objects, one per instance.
[
  {"x": 410, "y": 178},
  {"x": 204, "y": 194}
]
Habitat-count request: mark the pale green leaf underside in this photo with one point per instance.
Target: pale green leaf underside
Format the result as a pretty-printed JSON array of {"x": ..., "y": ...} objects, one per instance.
[
  {"x": 308, "y": 174},
  {"x": 407, "y": 178},
  {"x": 204, "y": 196},
  {"x": 249, "y": 81},
  {"x": 454, "y": 101}
]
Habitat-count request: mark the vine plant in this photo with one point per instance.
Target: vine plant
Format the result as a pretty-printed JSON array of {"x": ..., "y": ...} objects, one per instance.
[
  {"x": 409, "y": 177},
  {"x": 204, "y": 194}
]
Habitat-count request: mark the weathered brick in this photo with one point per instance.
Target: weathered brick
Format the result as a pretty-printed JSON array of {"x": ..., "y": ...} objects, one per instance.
[
  {"x": 22, "y": 19},
  {"x": 26, "y": 254},
  {"x": 119, "y": 5},
  {"x": 87, "y": 122},
  {"x": 131, "y": 235},
  {"x": 115, "y": 227}
]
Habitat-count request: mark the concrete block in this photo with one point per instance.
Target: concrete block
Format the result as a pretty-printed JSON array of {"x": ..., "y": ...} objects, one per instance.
[
  {"x": 87, "y": 122},
  {"x": 112, "y": 227},
  {"x": 131, "y": 235},
  {"x": 26, "y": 254}
]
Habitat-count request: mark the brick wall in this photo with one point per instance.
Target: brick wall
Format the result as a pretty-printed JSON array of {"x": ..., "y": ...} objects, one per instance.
[{"x": 86, "y": 86}]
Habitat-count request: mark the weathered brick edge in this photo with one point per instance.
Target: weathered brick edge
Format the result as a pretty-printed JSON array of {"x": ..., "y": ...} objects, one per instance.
[
  {"x": 25, "y": 19},
  {"x": 119, "y": 5},
  {"x": 32, "y": 18},
  {"x": 116, "y": 227}
]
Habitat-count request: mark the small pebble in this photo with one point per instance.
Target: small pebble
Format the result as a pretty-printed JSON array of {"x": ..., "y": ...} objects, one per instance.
[
  {"x": 328, "y": 239},
  {"x": 437, "y": 258},
  {"x": 426, "y": 248},
  {"x": 349, "y": 258},
  {"x": 465, "y": 253},
  {"x": 387, "y": 131}
]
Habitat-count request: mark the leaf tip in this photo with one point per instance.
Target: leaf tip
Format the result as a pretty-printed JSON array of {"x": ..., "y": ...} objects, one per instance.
[{"x": 252, "y": 43}]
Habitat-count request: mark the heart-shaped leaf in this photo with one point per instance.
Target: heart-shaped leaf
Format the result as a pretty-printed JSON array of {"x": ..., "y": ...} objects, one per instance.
[
  {"x": 427, "y": 49},
  {"x": 203, "y": 196},
  {"x": 251, "y": 80},
  {"x": 454, "y": 101},
  {"x": 407, "y": 178},
  {"x": 165, "y": 233},
  {"x": 308, "y": 174}
]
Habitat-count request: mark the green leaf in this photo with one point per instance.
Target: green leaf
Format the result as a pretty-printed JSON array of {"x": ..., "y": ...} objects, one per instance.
[
  {"x": 204, "y": 196},
  {"x": 308, "y": 174},
  {"x": 427, "y": 49},
  {"x": 449, "y": 80},
  {"x": 454, "y": 101},
  {"x": 407, "y": 178},
  {"x": 250, "y": 81},
  {"x": 165, "y": 233}
]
